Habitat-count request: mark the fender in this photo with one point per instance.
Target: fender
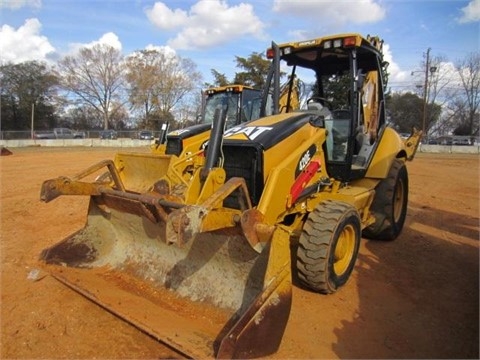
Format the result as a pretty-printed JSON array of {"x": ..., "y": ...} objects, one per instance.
[{"x": 389, "y": 148}]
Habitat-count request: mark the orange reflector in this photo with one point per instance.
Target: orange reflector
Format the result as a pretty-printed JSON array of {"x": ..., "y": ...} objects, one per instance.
[
  {"x": 270, "y": 53},
  {"x": 349, "y": 41}
]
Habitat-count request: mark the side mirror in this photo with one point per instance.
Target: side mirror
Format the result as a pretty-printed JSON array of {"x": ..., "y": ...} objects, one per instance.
[{"x": 317, "y": 121}]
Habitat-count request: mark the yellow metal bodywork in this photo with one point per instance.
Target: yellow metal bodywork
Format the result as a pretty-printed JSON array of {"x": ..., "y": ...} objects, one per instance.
[
  {"x": 391, "y": 147},
  {"x": 138, "y": 172},
  {"x": 234, "y": 87},
  {"x": 315, "y": 43},
  {"x": 411, "y": 144},
  {"x": 169, "y": 223},
  {"x": 294, "y": 97},
  {"x": 274, "y": 200},
  {"x": 190, "y": 145},
  {"x": 370, "y": 104}
]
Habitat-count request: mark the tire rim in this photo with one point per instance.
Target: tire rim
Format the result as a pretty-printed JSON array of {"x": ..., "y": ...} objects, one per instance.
[
  {"x": 398, "y": 199},
  {"x": 344, "y": 250}
]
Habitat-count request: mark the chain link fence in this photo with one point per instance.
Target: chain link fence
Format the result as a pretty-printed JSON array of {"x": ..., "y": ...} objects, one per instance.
[{"x": 88, "y": 134}]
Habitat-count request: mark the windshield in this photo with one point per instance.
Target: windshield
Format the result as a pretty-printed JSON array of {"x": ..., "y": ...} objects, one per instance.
[
  {"x": 251, "y": 105},
  {"x": 242, "y": 106},
  {"x": 222, "y": 99}
]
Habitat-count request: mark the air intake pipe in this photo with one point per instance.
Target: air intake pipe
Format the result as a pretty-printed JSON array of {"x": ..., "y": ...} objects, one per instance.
[{"x": 214, "y": 148}]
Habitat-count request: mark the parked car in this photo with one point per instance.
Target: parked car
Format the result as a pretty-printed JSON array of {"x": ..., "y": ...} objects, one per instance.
[
  {"x": 145, "y": 135},
  {"x": 461, "y": 142},
  {"x": 59, "y": 133},
  {"x": 79, "y": 135},
  {"x": 108, "y": 134}
]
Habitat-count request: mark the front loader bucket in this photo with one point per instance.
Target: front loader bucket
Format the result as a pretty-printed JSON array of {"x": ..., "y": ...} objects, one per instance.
[
  {"x": 4, "y": 151},
  {"x": 213, "y": 297}
]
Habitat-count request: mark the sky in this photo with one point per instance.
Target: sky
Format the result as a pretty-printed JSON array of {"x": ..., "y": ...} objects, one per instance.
[{"x": 212, "y": 32}]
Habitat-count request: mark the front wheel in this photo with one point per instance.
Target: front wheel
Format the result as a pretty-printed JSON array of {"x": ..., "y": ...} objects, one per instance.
[{"x": 328, "y": 246}]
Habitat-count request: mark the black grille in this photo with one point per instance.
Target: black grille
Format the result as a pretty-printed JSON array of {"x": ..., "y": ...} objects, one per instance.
[
  {"x": 245, "y": 162},
  {"x": 174, "y": 146}
]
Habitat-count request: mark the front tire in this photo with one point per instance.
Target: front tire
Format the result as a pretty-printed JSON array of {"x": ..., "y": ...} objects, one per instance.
[
  {"x": 389, "y": 206},
  {"x": 328, "y": 246}
]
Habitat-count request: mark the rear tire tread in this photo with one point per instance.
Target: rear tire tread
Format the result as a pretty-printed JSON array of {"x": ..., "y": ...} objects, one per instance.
[{"x": 385, "y": 226}]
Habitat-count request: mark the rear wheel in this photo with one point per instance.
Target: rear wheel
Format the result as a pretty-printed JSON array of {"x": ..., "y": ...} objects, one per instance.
[
  {"x": 328, "y": 246},
  {"x": 390, "y": 204}
]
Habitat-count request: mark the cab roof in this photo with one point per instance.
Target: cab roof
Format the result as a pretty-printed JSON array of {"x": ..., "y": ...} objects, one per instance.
[
  {"x": 233, "y": 88},
  {"x": 331, "y": 52}
]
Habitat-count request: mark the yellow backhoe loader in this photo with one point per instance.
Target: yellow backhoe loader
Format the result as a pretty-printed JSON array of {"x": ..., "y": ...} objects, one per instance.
[
  {"x": 243, "y": 103},
  {"x": 199, "y": 256}
]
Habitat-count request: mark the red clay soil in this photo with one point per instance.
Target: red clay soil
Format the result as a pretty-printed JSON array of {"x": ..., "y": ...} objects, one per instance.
[{"x": 415, "y": 297}]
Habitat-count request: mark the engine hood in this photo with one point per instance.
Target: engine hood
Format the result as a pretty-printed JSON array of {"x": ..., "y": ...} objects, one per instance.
[
  {"x": 189, "y": 131},
  {"x": 268, "y": 131}
]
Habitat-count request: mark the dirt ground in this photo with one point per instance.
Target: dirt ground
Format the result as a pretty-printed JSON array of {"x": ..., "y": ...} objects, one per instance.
[{"x": 415, "y": 297}]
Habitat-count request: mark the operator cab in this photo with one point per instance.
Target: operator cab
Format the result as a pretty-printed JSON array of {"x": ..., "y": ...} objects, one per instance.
[
  {"x": 242, "y": 104},
  {"x": 347, "y": 92}
]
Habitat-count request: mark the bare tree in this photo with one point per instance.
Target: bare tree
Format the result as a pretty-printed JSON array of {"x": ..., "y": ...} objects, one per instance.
[
  {"x": 158, "y": 81},
  {"x": 189, "y": 108},
  {"x": 467, "y": 110},
  {"x": 439, "y": 84},
  {"x": 95, "y": 76},
  {"x": 141, "y": 78},
  {"x": 438, "y": 91},
  {"x": 178, "y": 77}
]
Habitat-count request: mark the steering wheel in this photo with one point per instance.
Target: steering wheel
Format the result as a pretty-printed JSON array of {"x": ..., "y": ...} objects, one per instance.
[{"x": 321, "y": 100}]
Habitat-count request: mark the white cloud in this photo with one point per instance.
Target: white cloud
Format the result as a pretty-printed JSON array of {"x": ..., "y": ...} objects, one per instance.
[
  {"x": 24, "y": 43},
  {"x": 18, "y": 4},
  {"x": 164, "y": 18},
  {"x": 445, "y": 75},
  {"x": 109, "y": 38},
  {"x": 338, "y": 12},
  {"x": 166, "y": 50},
  {"x": 298, "y": 34},
  {"x": 396, "y": 75},
  {"x": 207, "y": 23},
  {"x": 162, "y": 49},
  {"x": 470, "y": 13}
]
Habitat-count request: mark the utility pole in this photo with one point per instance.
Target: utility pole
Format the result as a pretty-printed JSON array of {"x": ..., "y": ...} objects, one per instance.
[
  {"x": 425, "y": 90},
  {"x": 32, "y": 135}
]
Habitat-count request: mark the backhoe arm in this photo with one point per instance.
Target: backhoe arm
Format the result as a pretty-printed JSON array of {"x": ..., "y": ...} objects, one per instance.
[{"x": 411, "y": 144}]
